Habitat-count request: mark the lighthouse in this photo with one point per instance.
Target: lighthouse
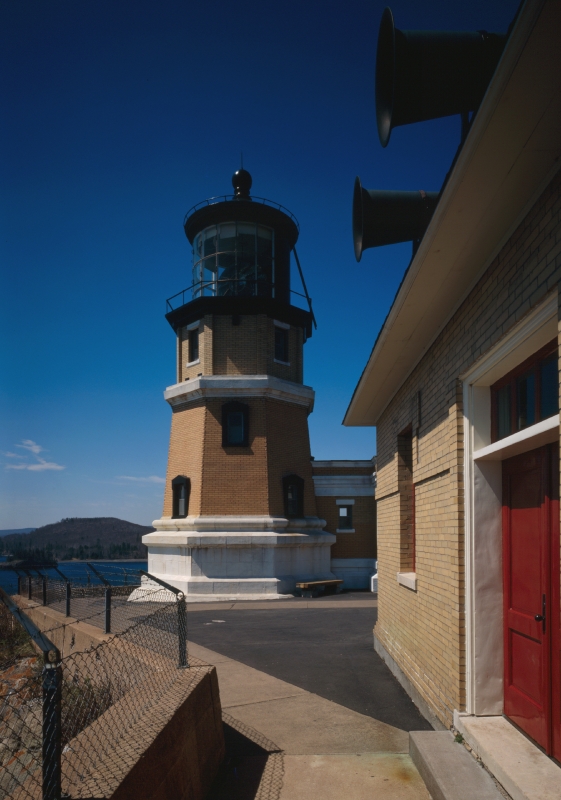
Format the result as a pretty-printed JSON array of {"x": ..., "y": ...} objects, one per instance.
[{"x": 239, "y": 517}]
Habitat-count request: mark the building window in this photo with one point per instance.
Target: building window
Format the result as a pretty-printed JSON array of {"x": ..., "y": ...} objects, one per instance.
[
  {"x": 194, "y": 345},
  {"x": 235, "y": 425},
  {"x": 281, "y": 344},
  {"x": 406, "y": 490},
  {"x": 527, "y": 394},
  {"x": 293, "y": 491},
  {"x": 345, "y": 521},
  {"x": 180, "y": 487}
]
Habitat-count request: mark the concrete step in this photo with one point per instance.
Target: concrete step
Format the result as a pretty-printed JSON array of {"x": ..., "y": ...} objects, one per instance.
[
  {"x": 448, "y": 770},
  {"x": 517, "y": 763}
]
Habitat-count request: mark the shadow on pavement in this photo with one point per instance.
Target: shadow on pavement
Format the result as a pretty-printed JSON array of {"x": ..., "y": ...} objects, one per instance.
[{"x": 252, "y": 768}]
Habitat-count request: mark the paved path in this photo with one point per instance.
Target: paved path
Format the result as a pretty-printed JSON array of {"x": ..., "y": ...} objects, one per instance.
[{"x": 288, "y": 742}]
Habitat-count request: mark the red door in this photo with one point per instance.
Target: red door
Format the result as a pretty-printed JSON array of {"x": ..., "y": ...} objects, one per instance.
[{"x": 531, "y": 595}]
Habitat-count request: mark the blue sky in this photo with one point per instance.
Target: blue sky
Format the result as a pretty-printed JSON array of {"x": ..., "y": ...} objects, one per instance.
[{"x": 119, "y": 115}]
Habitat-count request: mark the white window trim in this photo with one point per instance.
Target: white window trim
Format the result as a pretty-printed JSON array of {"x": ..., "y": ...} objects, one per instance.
[
  {"x": 531, "y": 437},
  {"x": 280, "y": 324},
  {"x": 193, "y": 363},
  {"x": 193, "y": 325},
  {"x": 483, "y": 547},
  {"x": 284, "y": 363},
  {"x": 408, "y": 579}
]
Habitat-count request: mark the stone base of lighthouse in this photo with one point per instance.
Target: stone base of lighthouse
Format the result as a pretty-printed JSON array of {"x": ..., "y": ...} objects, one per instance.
[{"x": 239, "y": 557}]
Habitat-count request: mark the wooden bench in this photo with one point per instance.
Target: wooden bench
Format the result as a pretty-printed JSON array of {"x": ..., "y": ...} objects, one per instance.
[{"x": 313, "y": 588}]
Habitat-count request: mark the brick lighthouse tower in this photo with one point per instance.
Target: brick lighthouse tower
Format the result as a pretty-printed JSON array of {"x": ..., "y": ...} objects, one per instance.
[{"x": 239, "y": 513}]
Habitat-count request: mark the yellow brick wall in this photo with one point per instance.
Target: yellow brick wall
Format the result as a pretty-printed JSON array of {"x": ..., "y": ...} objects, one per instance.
[
  {"x": 288, "y": 452},
  {"x": 239, "y": 480},
  {"x": 185, "y": 455},
  {"x": 244, "y": 349},
  {"x": 361, "y": 543},
  {"x": 424, "y": 631},
  {"x": 235, "y": 478}
]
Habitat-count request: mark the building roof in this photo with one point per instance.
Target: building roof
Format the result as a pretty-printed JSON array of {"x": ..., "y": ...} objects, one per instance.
[{"x": 510, "y": 155}]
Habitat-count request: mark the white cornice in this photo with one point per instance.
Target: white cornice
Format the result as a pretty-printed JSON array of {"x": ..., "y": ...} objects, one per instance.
[
  {"x": 240, "y": 386},
  {"x": 237, "y": 522}
]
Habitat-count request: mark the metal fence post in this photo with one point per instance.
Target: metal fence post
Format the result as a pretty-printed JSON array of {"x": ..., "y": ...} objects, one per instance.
[
  {"x": 182, "y": 631},
  {"x": 52, "y": 695},
  {"x": 44, "y": 577},
  {"x": 29, "y": 592},
  {"x": 19, "y": 584},
  {"x": 108, "y": 609},
  {"x": 68, "y": 596}
]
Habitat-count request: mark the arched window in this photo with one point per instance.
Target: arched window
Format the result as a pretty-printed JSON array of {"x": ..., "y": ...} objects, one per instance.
[
  {"x": 235, "y": 425},
  {"x": 181, "y": 488},
  {"x": 293, "y": 491}
]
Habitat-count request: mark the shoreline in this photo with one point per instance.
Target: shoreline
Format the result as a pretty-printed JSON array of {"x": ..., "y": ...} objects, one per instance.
[{"x": 98, "y": 560}]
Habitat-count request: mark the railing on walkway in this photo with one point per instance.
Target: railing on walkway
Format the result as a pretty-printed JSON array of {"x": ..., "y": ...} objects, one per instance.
[{"x": 51, "y": 743}]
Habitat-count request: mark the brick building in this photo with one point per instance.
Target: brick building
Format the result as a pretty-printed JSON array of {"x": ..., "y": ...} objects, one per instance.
[
  {"x": 240, "y": 513},
  {"x": 463, "y": 388},
  {"x": 345, "y": 493}
]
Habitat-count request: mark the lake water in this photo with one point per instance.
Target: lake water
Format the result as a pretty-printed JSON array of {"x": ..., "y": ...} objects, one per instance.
[{"x": 116, "y": 572}]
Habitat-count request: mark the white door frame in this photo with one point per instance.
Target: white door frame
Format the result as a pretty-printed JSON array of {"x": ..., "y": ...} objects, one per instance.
[{"x": 483, "y": 502}]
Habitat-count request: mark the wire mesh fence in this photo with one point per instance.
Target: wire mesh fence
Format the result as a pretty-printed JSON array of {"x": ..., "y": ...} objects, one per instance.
[{"x": 67, "y": 723}]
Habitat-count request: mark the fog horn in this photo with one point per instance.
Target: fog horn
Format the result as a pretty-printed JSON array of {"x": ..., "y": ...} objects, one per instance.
[
  {"x": 423, "y": 75},
  {"x": 389, "y": 217}
]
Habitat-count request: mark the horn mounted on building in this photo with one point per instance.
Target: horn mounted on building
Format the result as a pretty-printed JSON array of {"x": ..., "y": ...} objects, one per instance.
[
  {"x": 389, "y": 217},
  {"x": 420, "y": 75},
  {"x": 423, "y": 75}
]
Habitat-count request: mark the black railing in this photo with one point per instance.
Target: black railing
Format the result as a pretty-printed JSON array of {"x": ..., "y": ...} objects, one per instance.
[
  {"x": 224, "y": 198},
  {"x": 227, "y": 287}
]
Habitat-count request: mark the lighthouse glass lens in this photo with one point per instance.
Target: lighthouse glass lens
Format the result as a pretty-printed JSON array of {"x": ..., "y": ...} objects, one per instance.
[
  {"x": 233, "y": 258},
  {"x": 227, "y": 252}
]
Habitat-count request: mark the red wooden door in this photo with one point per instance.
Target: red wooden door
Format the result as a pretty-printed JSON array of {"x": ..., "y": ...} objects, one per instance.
[{"x": 531, "y": 594}]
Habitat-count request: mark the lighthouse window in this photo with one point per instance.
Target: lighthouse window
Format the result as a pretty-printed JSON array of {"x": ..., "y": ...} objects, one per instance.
[
  {"x": 194, "y": 345},
  {"x": 293, "y": 490},
  {"x": 232, "y": 259},
  {"x": 235, "y": 431},
  {"x": 281, "y": 344},
  {"x": 180, "y": 487}
]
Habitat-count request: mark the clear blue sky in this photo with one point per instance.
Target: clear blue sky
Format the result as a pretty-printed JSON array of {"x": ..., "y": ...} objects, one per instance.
[{"x": 118, "y": 116}]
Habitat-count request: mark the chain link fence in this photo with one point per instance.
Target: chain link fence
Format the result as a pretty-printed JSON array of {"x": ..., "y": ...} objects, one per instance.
[{"x": 73, "y": 726}]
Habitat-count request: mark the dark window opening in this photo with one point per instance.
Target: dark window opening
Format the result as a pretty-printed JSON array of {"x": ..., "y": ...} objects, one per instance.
[
  {"x": 180, "y": 487},
  {"x": 194, "y": 344},
  {"x": 235, "y": 427},
  {"x": 406, "y": 490},
  {"x": 293, "y": 491},
  {"x": 527, "y": 394},
  {"x": 549, "y": 387},
  {"x": 345, "y": 522},
  {"x": 281, "y": 344}
]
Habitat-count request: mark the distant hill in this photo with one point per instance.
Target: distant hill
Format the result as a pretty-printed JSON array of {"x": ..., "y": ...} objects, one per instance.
[
  {"x": 77, "y": 537},
  {"x": 7, "y": 531}
]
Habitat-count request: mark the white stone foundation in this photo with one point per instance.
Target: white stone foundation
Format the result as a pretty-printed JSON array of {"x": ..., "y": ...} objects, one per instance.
[
  {"x": 235, "y": 557},
  {"x": 355, "y": 572}
]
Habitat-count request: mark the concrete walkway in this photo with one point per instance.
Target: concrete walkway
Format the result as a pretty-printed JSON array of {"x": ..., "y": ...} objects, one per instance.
[{"x": 286, "y": 743}]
